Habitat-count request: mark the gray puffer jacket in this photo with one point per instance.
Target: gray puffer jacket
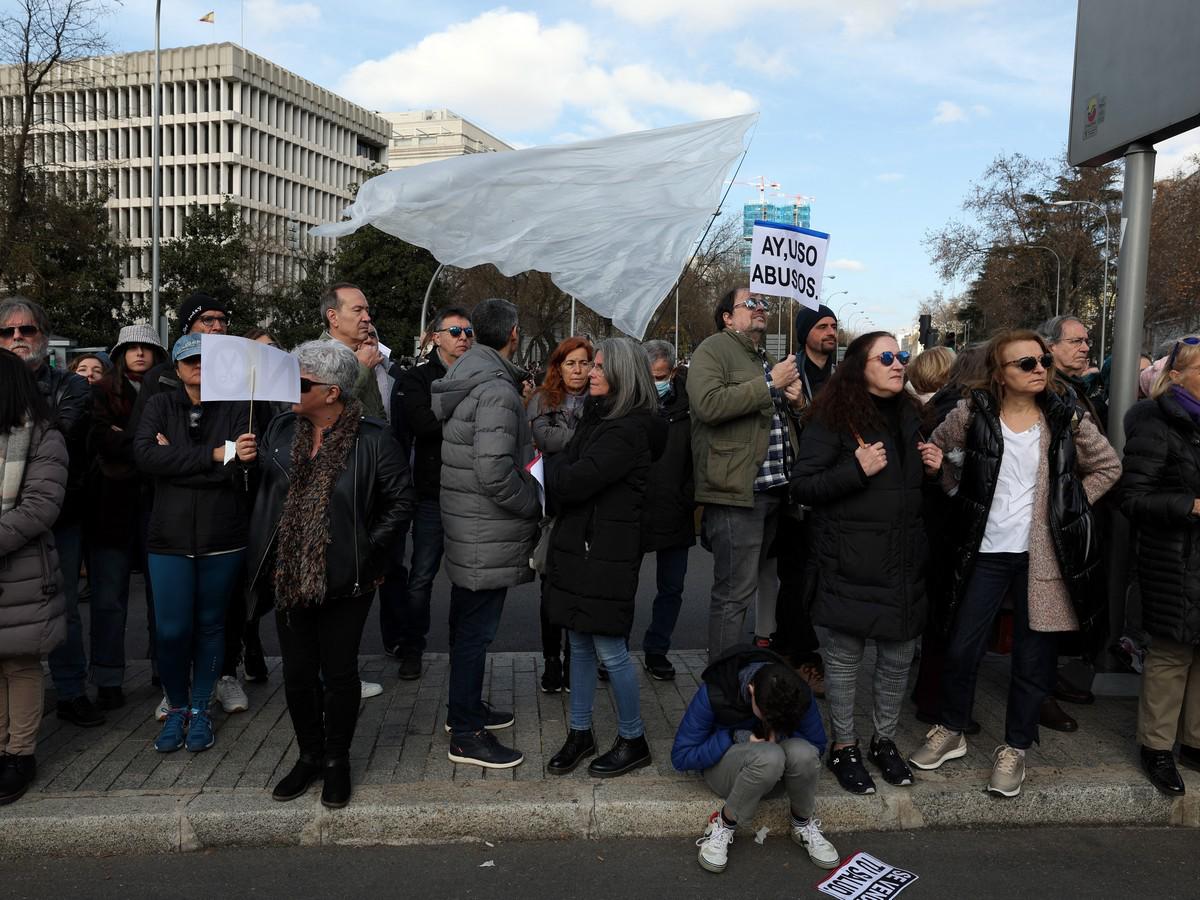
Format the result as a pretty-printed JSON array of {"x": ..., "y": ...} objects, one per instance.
[
  {"x": 32, "y": 609},
  {"x": 490, "y": 504}
]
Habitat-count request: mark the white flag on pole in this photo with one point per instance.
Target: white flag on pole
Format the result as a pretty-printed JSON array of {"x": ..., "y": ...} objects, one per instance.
[
  {"x": 613, "y": 221},
  {"x": 235, "y": 368}
]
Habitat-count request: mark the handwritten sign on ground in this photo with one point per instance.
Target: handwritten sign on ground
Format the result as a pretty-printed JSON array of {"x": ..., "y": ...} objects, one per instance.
[
  {"x": 788, "y": 261},
  {"x": 863, "y": 877},
  {"x": 238, "y": 369}
]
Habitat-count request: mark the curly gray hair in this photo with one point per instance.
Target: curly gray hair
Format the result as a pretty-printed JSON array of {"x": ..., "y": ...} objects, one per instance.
[{"x": 329, "y": 362}]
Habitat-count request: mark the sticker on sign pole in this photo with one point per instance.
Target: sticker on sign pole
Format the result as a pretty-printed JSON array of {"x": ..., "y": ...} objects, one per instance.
[
  {"x": 863, "y": 877},
  {"x": 788, "y": 261}
]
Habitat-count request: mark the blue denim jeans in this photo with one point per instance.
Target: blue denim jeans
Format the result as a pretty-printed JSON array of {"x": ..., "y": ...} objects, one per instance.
[
  {"x": 614, "y": 655},
  {"x": 474, "y": 618},
  {"x": 68, "y": 661},
  {"x": 1034, "y": 653},
  {"x": 393, "y": 594},
  {"x": 191, "y": 596},
  {"x": 108, "y": 571},
  {"x": 671, "y": 567},
  {"x": 427, "y": 545}
]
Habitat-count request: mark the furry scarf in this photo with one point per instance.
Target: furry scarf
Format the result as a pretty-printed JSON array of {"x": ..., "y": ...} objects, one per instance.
[
  {"x": 14, "y": 453},
  {"x": 304, "y": 524}
]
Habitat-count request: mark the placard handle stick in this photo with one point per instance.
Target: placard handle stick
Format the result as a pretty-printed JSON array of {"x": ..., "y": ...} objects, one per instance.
[{"x": 251, "y": 426}]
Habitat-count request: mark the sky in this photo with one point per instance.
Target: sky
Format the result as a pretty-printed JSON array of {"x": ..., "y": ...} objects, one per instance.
[{"x": 881, "y": 111}]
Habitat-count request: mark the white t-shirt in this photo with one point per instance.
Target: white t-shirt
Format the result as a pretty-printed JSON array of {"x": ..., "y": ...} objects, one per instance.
[{"x": 1011, "y": 514}]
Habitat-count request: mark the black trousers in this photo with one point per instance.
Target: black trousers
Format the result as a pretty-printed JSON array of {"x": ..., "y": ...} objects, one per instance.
[
  {"x": 320, "y": 673},
  {"x": 794, "y": 634}
]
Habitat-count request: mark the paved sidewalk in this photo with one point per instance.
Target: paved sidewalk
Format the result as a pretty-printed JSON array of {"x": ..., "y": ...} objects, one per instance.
[{"x": 106, "y": 790}]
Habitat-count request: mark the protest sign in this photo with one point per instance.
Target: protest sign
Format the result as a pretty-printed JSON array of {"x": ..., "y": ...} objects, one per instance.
[
  {"x": 788, "y": 261},
  {"x": 863, "y": 877},
  {"x": 239, "y": 369}
]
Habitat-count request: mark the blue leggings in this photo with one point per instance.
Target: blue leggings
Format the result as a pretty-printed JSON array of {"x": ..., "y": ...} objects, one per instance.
[{"x": 190, "y": 598}]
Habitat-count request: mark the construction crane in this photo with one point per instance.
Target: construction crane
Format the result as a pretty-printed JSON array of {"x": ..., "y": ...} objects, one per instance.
[
  {"x": 798, "y": 200},
  {"x": 762, "y": 184}
]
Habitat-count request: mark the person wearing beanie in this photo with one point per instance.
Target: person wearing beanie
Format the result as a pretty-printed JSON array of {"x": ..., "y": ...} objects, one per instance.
[
  {"x": 114, "y": 507},
  {"x": 818, "y": 329}
]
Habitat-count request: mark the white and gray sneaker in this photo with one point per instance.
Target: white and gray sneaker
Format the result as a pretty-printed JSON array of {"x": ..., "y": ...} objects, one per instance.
[
  {"x": 231, "y": 695},
  {"x": 714, "y": 846},
  {"x": 940, "y": 745},
  {"x": 160, "y": 714},
  {"x": 820, "y": 851},
  {"x": 1008, "y": 771},
  {"x": 369, "y": 689}
]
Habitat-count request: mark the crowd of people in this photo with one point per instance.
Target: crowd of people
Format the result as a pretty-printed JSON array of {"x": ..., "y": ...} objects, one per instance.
[{"x": 908, "y": 504}]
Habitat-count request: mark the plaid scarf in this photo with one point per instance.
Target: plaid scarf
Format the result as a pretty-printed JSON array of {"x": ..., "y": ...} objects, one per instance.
[
  {"x": 304, "y": 523},
  {"x": 14, "y": 453},
  {"x": 773, "y": 472}
]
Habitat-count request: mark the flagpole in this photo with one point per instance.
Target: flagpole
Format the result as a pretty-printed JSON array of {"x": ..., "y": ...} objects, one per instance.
[
  {"x": 156, "y": 184},
  {"x": 243, "y": 23}
]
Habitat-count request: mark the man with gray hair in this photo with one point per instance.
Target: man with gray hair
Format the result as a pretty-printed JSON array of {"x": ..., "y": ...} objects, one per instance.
[
  {"x": 346, "y": 315},
  {"x": 25, "y": 330},
  {"x": 1071, "y": 345},
  {"x": 490, "y": 511},
  {"x": 668, "y": 510}
]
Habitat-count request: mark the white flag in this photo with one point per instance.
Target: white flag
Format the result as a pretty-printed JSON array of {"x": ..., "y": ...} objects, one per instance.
[
  {"x": 235, "y": 368},
  {"x": 613, "y": 221}
]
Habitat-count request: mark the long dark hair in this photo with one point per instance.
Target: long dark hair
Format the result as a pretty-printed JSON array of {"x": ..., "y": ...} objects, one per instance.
[
  {"x": 845, "y": 404},
  {"x": 20, "y": 396}
]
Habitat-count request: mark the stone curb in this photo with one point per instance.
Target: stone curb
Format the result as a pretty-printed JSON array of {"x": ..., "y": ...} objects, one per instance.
[{"x": 138, "y": 822}]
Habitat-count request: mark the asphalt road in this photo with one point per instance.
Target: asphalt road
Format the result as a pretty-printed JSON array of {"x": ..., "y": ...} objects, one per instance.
[
  {"x": 1066, "y": 863},
  {"x": 519, "y": 627}
]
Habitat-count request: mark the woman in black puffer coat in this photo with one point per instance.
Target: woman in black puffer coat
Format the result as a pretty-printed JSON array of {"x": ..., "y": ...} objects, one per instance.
[
  {"x": 863, "y": 466},
  {"x": 596, "y": 488},
  {"x": 1160, "y": 493}
]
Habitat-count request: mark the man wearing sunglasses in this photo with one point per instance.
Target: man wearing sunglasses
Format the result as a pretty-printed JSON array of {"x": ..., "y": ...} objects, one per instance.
[
  {"x": 1071, "y": 346},
  {"x": 404, "y": 597},
  {"x": 25, "y": 330},
  {"x": 743, "y": 440},
  {"x": 346, "y": 315}
]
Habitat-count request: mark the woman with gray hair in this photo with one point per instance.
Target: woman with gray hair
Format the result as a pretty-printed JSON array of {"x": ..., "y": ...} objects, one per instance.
[
  {"x": 595, "y": 487},
  {"x": 334, "y": 492}
]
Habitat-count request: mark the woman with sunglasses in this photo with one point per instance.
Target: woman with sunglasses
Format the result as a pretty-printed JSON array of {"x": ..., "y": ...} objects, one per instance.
[
  {"x": 862, "y": 466},
  {"x": 334, "y": 494},
  {"x": 1024, "y": 467},
  {"x": 554, "y": 410},
  {"x": 1160, "y": 492},
  {"x": 197, "y": 537}
]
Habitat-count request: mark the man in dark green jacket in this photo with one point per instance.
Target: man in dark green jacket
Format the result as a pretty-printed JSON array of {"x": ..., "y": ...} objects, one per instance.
[{"x": 743, "y": 406}]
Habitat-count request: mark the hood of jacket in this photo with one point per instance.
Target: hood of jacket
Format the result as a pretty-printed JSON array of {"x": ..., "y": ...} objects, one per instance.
[
  {"x": 727, "y": 692},
  {"x": 478, "y": 365}
]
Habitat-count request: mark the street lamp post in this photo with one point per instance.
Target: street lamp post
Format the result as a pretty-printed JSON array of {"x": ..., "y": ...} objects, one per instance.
[
  {"x": 156, "y": 180},
  {"x": 1107, "y": 254}
]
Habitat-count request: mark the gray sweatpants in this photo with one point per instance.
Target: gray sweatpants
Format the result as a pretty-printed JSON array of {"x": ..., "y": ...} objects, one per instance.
[
  {"x": 843, "y": 657},
  {"x": 749, "y": 772}
]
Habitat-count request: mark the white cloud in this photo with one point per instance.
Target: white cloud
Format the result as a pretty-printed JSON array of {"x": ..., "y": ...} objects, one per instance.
[
  {"x": 980, "y": 111},
  {"x": 847, "y": 265},
  {"x": 509, "y": 70},
  {"x": 948, "y": 112},
  {"x": 751, "y": 55},
  {"x": 1175, "y": 154},
  {"x": 275, "y": 15},
  {"x": 888, "y": 177}
]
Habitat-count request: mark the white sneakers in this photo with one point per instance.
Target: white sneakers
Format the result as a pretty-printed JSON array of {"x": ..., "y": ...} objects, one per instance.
[
  {"x": 231, "y": 695},
  {"x": 1008, "y": 771},
  {"x": 370, "y": 689},
  {"x": 820, "y": 851},
  {"x": 160, "y": 714},
  {"x": 714, "y": 845}
]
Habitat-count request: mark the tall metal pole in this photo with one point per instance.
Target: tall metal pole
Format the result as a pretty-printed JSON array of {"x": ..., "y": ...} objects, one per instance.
[
  {"x": 425, "y": 305},
  {"x": 156, "y": 181},
  {"x": 677, "y": 323},
  {"x": 572, "y": 334},
  {"x": 1104, "y": 293}
]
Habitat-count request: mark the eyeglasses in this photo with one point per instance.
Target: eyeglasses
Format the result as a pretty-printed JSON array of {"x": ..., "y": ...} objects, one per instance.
[
  {"x": 307, "y": 384},
  {"x": 210, "y": 321},
  {"x": 1075, "y": 342},
  {"x": 457, "y": 331},
  {"x": 1029, "y": 363},
  {"x": 753, "y": 304},
  {"x": 26, "y": 331},
  {"x": 887, "y": 357},
  {"x": 1190, "y": 341}
]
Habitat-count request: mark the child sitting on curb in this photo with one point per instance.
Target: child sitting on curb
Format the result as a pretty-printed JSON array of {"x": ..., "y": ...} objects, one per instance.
[{"x": 753, "y": 731}]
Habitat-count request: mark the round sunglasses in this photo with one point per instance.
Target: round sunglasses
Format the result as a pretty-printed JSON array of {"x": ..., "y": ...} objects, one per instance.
[
  {"x": 1029, "y": 363},
  {"x": 887, "y": 357}
]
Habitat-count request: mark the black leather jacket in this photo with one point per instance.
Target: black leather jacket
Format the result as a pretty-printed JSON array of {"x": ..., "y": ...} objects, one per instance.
[
  {"x": 372, "y": 502},
  {"x": 70, "y": 399},
  {"x": 1073, "y": 528}
]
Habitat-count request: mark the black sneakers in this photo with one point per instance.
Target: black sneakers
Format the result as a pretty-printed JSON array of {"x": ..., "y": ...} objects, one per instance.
[
  {"x": 847, "y": 765},
  {"x": 659, "y": 667},
  {"x": 893, "y": 767},
  {"x": 80, "y": 711},
  {"x": 496, "y": 719},
  {"x": 552, "y": 676},
  {"x": 410, "y": 666},
  {"x": 482, "y": 749},
  {"x": 16, "y": 775}
]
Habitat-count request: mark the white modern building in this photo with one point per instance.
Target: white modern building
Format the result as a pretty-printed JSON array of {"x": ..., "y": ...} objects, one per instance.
[
  {"x": 427, "y": 135},
  {"x": 233, "y": 125}
]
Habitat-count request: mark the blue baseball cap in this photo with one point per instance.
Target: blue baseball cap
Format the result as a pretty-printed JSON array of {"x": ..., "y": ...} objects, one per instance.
[{"x": 186, "y": 347}]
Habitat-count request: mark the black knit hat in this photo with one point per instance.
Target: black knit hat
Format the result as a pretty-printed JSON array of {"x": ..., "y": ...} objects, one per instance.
[
  {"x": 195, "y": 304},
  {"x": 807, "y": 318}
]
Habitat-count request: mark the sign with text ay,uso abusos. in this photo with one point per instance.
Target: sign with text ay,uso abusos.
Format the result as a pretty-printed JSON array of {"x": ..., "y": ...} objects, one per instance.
[{"x": 788, "y": 261}]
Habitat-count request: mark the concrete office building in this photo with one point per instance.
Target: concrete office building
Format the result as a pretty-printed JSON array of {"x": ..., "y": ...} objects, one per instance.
[
  {"x": 427, "y": 135},
  {"x": 233, "y": 124}
]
